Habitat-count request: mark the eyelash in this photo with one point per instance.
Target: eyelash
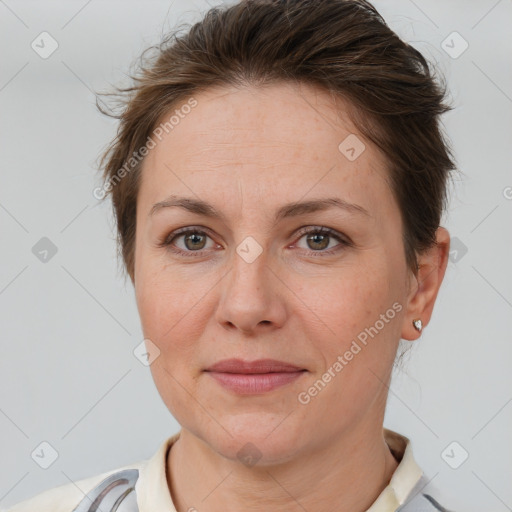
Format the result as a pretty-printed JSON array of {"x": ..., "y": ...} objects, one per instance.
[{"x": 167, "y": 241}]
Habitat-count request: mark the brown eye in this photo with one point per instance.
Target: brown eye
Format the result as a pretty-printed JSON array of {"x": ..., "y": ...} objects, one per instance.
[
  {"x": 188, "y": 242},
  {"x": 194, "y": 240},
  {"x": 318, "y": 239}
]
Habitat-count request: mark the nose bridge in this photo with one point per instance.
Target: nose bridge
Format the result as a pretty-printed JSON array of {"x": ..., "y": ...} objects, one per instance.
[
  {"x": 249, "y": 277},
  {"x": 248, "y": 298}
]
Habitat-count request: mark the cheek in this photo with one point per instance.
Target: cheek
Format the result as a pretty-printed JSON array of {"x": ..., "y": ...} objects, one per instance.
[
  {"x": 353, "y": 299},
  {"x": 170, "y": 320},
  {"x": 172, "y": 314},
  {"x": 361, "y": 319},
  {"x": 160, "y": 298},
  {"x": 351, "y": 307}
]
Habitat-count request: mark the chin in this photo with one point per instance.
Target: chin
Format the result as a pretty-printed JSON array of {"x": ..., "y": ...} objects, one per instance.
[{"x": 257, "y": 439}]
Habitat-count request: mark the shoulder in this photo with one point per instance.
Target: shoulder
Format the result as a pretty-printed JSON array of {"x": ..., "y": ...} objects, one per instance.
[{"x": 65, "y": 498}]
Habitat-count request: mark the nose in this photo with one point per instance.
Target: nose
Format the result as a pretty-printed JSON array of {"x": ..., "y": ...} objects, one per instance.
[{"x": 252, "y": 297}]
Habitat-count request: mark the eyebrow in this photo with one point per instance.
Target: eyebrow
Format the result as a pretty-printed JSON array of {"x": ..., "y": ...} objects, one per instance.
[{"x": 200, "y": 207}]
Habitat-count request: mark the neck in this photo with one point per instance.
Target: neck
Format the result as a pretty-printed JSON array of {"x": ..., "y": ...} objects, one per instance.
[{"x": 347, "y": 475}]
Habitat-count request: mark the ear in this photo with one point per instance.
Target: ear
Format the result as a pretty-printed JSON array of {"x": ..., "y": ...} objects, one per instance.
[{"x": 424, "y": 287}]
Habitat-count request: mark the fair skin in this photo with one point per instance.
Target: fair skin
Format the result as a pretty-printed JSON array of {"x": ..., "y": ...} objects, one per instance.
[{"x": 247, "y": 152}]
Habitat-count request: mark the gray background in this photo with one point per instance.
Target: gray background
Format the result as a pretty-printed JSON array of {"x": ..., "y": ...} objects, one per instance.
[{"x": 69, "y": 326}]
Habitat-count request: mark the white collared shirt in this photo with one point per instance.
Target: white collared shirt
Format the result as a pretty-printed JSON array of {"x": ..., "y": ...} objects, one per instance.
[{"x": 403, "y": 493}]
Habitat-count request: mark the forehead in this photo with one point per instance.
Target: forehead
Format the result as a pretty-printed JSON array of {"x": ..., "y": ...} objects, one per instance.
[{"x": 273, "y": 141}]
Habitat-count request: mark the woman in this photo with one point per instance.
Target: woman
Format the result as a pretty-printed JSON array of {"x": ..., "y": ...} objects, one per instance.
[{"x": 278, "y": 180}]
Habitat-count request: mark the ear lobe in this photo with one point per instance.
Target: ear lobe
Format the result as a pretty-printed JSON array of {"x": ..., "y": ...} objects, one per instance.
[{"x": 426, "y": 284}]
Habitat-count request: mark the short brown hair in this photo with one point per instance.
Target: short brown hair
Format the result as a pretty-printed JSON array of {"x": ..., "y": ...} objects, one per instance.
[{"x": 342, "y": 46}]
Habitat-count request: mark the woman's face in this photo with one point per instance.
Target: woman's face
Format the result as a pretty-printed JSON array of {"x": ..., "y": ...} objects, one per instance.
[{"x": 251, "y": 284}]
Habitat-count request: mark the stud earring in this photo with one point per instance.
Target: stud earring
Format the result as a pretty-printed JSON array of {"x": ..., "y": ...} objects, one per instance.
[{"x": 417, "y": 324}]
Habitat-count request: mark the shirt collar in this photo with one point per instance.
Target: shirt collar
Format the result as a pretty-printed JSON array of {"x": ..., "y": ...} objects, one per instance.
[
  {"x": 153, "y": 491},
  {"x": 405, "y": 477}
]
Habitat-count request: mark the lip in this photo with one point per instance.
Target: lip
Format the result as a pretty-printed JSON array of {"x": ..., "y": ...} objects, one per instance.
[
  {"x": 254, "y": 377},
  {"x": 258, "y": 366}
]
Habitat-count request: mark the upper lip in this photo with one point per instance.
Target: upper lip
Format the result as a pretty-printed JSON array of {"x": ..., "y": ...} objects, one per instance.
[{"x": 258, "y": 366}]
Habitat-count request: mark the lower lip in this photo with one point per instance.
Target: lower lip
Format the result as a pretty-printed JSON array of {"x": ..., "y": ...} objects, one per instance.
[{"x": 251, "y": 384}]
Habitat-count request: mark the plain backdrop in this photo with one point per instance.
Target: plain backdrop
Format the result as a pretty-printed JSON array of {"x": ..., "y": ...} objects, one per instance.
[{"x": 69, "y": 325}]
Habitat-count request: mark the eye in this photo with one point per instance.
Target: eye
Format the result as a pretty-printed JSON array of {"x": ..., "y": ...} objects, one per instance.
[
  {"x": 193, "y": 241},
  {"x": 319, "y": 238}
]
